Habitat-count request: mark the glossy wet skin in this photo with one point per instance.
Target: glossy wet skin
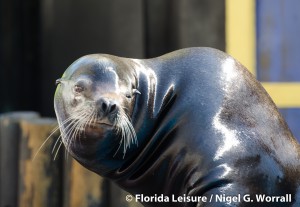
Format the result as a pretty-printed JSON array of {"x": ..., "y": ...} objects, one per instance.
[{"x": 204, "y": 126}]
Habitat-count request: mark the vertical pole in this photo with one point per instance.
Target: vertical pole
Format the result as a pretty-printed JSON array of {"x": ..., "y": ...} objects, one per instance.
[
  {"x": 10, "y": 134},
  {"x": 241, "y": 33},
  {"x": 82, "y": 187},
  {"x": 40, "y": 175}
]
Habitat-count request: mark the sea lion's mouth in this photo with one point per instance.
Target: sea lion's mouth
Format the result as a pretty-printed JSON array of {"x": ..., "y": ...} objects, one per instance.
[
  {"x": 105, "y": 124},
  {"x": 101, "y": 124},
  {"x": 98, "y": 127}
]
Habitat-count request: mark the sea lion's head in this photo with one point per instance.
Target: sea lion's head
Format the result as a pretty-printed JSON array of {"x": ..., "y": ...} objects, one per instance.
[{"x": 94, "y": 102}]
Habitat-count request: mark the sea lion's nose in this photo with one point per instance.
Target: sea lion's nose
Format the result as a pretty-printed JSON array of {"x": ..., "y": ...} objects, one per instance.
[{"x": 106, "y": 106}]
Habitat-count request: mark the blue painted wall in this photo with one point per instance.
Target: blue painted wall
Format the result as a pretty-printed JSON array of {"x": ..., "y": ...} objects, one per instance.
[
  {"x": 278, "y": 47},
  {"x": 278, "y": 40}
]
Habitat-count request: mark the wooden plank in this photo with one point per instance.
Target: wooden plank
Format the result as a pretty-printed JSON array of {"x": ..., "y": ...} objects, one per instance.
[
  {"x": 10, "y": 134},
  {"x": 40, "y": 183},
  {"x": 83, "y": 187}
]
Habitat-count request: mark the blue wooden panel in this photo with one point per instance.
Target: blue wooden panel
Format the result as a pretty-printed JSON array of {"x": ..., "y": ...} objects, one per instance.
[
  {"x": 278, "y": 48},
  {"x": 292, "y": 117},
  {"x": 278, "y": 40}
]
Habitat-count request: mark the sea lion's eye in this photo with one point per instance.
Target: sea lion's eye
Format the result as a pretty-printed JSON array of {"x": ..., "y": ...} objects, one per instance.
[
  {"x": 134, "y": 92},
  {"x": 78, "y": 88},
  {"x": 128, "y": 95}
]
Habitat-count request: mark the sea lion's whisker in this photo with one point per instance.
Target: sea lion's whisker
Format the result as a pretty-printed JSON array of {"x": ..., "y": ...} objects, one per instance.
[
  {"x": 72, "y": 118},
  {"x": 93, "y": 114},
  {"x": 58, "y": 149},
  {"x": 118, "y": 131},
  {"x": 79, "y": 127},
  {"x": 46, "y": 140},
  {"x": 51, "y": 134},
  {"x": 69, "y": 128},
  {"x": 125, "y": 129},
  {"x": 129, "y": 125},
  {"x": 74, "y": 127},
  {"x": 75, "y": 131},
  {"x": 87, "y": 122},
  {"x": 53, "y": 149},
  {"x": 134, "y": 140},
  {"x": 70, "y": 136},
  {"x": 67, "y": 138}
]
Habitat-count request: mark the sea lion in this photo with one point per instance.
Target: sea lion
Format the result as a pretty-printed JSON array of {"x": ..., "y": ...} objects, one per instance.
[{"x": 190, "y": 123}]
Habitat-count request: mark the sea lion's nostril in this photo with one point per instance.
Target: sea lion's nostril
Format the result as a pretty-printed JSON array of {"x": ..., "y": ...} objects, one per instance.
[
  {"x": 104, "y": 107},
  {"x": 113, "y": 108}
]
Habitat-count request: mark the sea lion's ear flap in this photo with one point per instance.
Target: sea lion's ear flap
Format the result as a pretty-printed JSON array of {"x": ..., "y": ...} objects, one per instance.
[
  {"x": 135, "y": 91},
  {"x": 58, "y": 81}
]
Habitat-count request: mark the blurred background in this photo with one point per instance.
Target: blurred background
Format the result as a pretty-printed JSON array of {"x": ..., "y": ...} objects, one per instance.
[{"x": 39, "y": 39}]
